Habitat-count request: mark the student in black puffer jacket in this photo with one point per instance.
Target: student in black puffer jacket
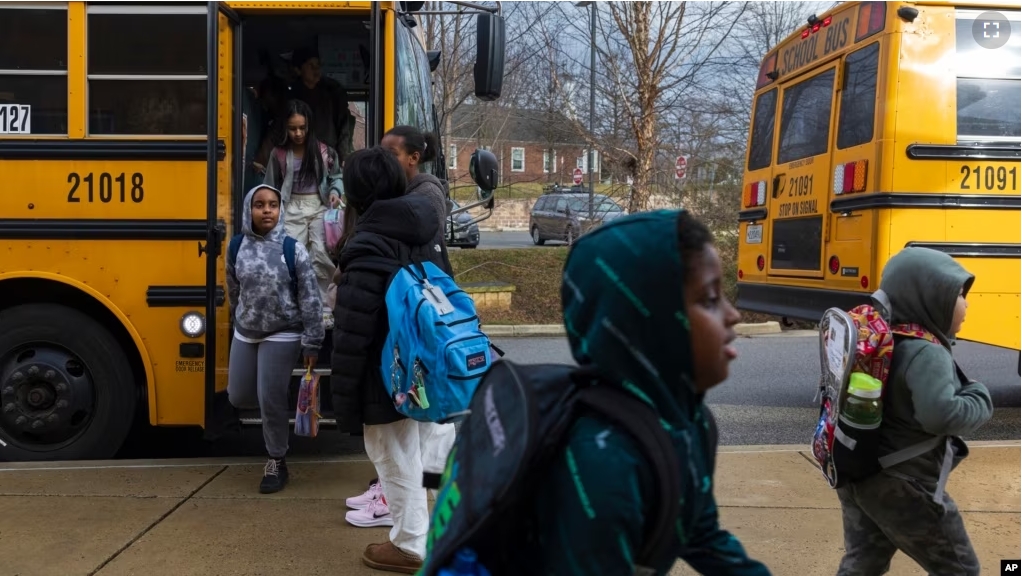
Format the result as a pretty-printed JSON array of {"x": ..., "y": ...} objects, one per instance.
[{"x": 392, "y": 228}]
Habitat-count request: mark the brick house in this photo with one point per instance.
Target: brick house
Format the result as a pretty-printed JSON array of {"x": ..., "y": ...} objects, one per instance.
[{"x": 532, "y": 146}]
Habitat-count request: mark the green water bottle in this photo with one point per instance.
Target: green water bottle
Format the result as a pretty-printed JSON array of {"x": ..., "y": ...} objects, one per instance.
[{"x": 863, "y": 408}]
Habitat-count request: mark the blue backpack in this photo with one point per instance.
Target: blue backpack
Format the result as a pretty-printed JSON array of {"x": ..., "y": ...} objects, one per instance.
[
  {"x": 289, "y": 256},
  {"x": 435, "y": 354}
]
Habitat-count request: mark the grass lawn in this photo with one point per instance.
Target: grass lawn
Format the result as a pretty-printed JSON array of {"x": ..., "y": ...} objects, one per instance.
[
  {"x": 534, "y": 272},
  {"x": 536, "y": 275}
]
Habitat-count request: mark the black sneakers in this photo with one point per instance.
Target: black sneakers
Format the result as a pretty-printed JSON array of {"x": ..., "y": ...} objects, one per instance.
[{"x": 274, "y": 476}]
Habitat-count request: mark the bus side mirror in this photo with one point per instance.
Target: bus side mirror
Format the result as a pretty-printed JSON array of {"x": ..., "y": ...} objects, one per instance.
[
  {"x": 489, "y": 68},
  {"x": 483, "y": 169}
]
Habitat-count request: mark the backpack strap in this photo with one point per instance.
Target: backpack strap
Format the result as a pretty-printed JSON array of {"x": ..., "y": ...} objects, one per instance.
[
  {"x": 232, "y": 250},
  {"x": 289, "y": 259},
  {"x": 642, "y": 423}
]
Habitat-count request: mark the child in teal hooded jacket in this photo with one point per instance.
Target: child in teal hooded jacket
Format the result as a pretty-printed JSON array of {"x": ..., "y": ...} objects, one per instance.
[{"x": 644, "y": 306}]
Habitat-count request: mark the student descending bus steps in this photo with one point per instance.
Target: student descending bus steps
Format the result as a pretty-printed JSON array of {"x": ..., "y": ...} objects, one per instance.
[{"x": 277, "y": 312}]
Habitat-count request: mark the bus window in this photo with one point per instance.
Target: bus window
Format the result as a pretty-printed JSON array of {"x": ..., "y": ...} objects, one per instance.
[
  {"x": 805, "y": 118},
  {"x": 33, "y": 69},
  {"x": 989, "y": 76},
  {"x": 414, "y": 100},
  {"x": 761, "y": 147},
  {"x": 858, "y": 99},
  {"x": 147, "y": 70}
]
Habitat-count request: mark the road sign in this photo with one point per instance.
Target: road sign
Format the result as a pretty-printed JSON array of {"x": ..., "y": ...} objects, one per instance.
[
  {"x": 680, "y": 167},
  {"x": 576, "y": 176}
]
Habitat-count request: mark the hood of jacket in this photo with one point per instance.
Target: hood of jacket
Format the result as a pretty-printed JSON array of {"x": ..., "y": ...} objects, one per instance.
[
  {"x": 922, "y": 285},
  {"x": 624, "y": 310},
  {"x": 277, "y": 234},
  {"x": 424, "y": 180}
]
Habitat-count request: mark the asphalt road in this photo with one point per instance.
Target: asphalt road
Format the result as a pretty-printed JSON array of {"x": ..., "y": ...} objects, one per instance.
[
  {"x": 767, "y": 400},
  {"x": 769, "y": 397},
  {"x": 510, "y": 239}
]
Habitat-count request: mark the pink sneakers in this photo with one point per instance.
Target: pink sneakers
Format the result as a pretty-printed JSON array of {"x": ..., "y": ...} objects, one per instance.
[
  {"x": 376, "y": 513},
  {"x": 361, "y": 501}
]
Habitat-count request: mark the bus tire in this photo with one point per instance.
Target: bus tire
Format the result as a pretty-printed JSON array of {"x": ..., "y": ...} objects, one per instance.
[{"x": 67, "y": 389}]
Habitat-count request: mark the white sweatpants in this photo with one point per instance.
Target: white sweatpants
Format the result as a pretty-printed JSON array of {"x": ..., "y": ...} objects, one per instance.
[
  {"x": 400, "y": 451},
  {"x": 303, "y": 221}
]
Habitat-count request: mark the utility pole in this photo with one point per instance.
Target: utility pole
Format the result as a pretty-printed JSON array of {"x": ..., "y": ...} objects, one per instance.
[{"x": 592, "y": 102}]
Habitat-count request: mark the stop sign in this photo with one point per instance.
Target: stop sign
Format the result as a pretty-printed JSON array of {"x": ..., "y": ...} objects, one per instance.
[
  {"x": 576, "y": 176},
  {"x": 680, "y": 166}
]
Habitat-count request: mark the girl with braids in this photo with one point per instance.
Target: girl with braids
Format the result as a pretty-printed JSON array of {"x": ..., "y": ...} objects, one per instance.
[{"x": 308, "y": 175}]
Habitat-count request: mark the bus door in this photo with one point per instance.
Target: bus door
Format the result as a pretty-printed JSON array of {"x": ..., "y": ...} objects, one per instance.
[
  {"x": 222, "y": 126},
  {"x": 799, "y": 186}
]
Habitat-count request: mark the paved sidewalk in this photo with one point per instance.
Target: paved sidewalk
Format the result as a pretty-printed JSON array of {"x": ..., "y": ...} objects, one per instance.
[{"x": 181, "y": 518}]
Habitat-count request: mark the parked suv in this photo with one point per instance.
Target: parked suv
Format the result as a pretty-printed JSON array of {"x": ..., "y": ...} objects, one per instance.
[{"x": 563, "y": 214}]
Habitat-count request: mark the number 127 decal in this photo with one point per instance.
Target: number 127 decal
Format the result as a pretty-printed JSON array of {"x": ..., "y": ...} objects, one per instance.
[{"x": 15, "y": 119}]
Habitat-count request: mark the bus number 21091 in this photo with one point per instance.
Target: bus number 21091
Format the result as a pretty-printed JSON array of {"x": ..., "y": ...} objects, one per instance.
[{"x": 106, "y": 185}]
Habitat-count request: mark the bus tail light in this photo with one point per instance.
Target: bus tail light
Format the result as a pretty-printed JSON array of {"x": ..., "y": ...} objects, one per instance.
[
  {"x": 741, "y": 274},
  {"x": 755, "y": 194},
  {"x": 850, "y": 177},
  {"x": 870, "y": 20},
  {"x": 864, "y": 282},
  {"x": 760, "y": 262},
  {"x": 834, "y": 264}
]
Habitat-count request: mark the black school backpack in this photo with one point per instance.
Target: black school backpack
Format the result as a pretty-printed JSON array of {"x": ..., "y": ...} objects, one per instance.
[{"x": 519, "y": 421}]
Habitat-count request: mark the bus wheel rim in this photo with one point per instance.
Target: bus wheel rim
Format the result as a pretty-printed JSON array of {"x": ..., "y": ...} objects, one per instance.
[{"x": 47, "y": 397}]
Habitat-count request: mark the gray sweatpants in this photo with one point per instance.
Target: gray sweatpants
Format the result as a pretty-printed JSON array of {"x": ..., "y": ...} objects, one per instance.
[
  {"x": 883, "y": 514},
  {"x": 258, "y": 376}
]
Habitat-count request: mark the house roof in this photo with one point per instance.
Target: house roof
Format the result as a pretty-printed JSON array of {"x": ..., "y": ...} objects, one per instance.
[{"x": 491, "y": 123}]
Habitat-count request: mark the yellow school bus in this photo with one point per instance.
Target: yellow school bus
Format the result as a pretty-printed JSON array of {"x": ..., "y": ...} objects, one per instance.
[
  {"x": 121, "y": 170},
  {"x": 878, "y": 126}
]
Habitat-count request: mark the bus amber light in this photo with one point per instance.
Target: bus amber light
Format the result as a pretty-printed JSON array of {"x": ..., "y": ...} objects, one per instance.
[
  {"x": 850, "y": 177},
  {"x": 756, "y": 194},
  {"x": 871, "y": 19},
  {"x": 834, "y": 265}
]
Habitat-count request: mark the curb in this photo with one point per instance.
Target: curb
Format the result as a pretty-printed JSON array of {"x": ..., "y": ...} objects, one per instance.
[{"x": 557, "y": 330}]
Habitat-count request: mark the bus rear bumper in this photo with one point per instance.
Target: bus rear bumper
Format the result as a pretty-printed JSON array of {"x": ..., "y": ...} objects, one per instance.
[{"x": 795, "y": 302}]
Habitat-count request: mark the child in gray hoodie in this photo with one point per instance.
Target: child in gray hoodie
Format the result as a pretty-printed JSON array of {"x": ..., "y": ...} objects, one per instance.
[
  {"x": 273, "y": 323},
  {"x": 928, "y": 404}
]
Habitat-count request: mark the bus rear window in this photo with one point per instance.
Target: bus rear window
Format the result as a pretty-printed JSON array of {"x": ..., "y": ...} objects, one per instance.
[
  {"x": 761, "y": 147},
  {"x": 859, "y": 97},
  {"x": 805, "y": 118},
  {"x": 988, "y": 51}
]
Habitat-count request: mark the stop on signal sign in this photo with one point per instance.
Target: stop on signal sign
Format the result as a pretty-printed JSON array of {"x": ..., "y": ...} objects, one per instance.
[{"x": 680, "y": 167}]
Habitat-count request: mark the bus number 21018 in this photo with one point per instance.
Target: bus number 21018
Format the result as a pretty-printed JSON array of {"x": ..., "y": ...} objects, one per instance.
[{"x": 104, "y": 186}]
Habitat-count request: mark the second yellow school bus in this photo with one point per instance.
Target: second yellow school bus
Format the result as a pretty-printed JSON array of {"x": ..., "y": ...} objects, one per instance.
[
  {"x": 878, "y": 126},
  {"x": 121, "y": 170}
]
